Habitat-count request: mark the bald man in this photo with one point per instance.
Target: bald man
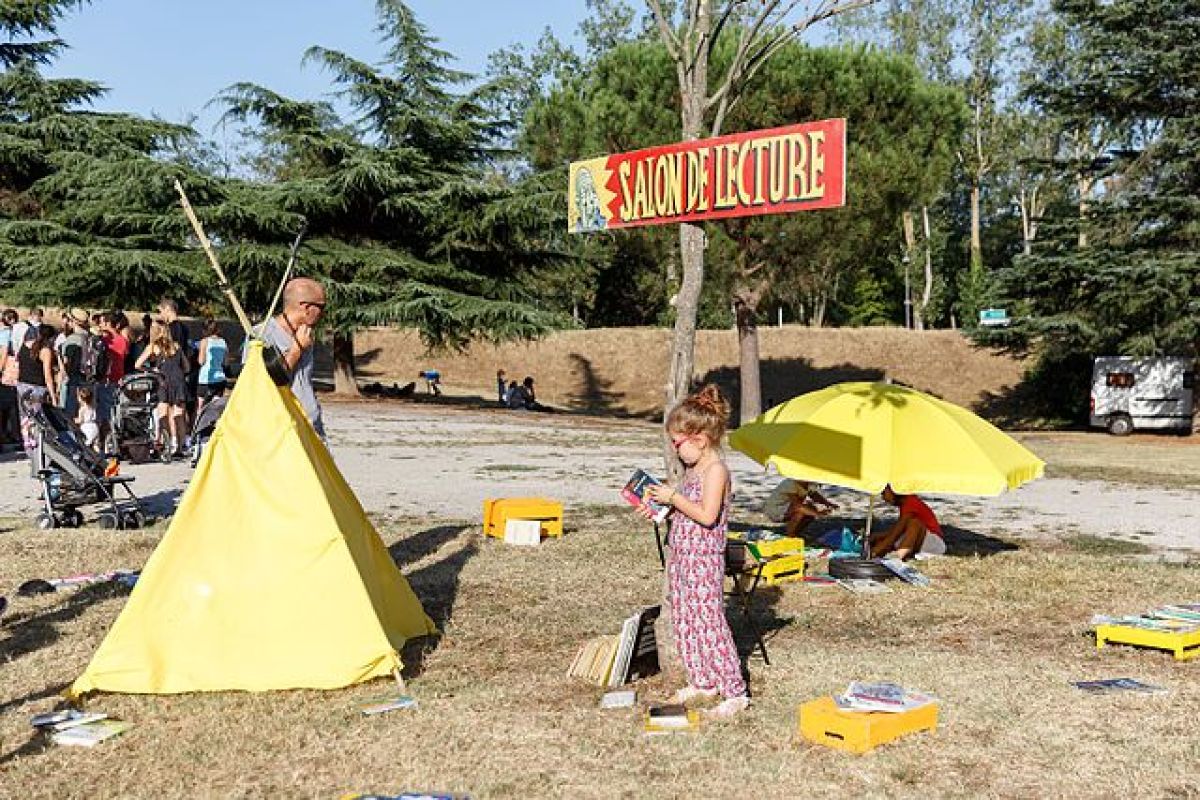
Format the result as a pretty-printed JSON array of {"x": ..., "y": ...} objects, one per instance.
[{"x": 292, "y": 333}]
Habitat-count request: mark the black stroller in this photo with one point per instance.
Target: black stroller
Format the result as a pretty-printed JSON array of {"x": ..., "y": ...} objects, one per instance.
[
  {"x": 206, "y": 423},
  {"x": 134, "y": 417},
  {"x": 73, "y": 475}
]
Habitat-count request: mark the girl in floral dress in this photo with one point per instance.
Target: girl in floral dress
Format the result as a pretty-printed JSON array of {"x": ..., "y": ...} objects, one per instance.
[{"x": 696, "y": 569}]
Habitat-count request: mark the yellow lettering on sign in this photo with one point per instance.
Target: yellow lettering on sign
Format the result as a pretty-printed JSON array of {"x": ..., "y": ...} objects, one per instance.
[
  {"x": 693, "y": 182},
  {"x": 797, "y": 167},
  {"x": 626, "y": 193},
  {"x": 777, "y": 167},
  {"x": 641, "y": 206},
  {"x": 727, "y": 162},
  {"x": 705, "y": 158},
  {"x": 743, "y": 188},
  {"x": 816, "y": 164},
  {"x": 762, "y": 166}
]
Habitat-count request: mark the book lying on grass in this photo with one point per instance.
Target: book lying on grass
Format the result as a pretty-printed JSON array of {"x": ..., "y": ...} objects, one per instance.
[
  {"x": 670, "y": 718},
  {"x": 624, "y": 698},
  {"x": 382, "y": 705},
  {"x": 863, "y": 585},
  {"x": 1115, "y": 685},
  {"x": 906, "y": 572},
  {"x": 90, "y": 734},
  {"x": 635, "y": 494},
  {"x": 887, "y": 697},
  {"x": 68, "y": 718}
]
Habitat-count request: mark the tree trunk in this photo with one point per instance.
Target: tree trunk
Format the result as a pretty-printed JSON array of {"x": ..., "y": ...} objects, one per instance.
[
  {"x": 745, "y": 307},
  {"x": 976, "y": 240},
  {"x": 927, "y": 291},
  {"x": 344, "y": 381},
  {"x": 1083, "y": 184}
]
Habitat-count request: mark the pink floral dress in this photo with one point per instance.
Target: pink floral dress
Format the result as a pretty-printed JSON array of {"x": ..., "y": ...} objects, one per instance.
[{"x": 696, "y": 571}]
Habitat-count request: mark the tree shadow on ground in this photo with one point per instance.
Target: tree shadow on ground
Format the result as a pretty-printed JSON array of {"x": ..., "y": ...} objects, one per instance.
[
  {"x": 28, "y": 633},
  {"x": 435, "y": 585},
  {"x": 785, "y": 378},
  {"x": 962, "y": 542},
  {"x": 592, "y": 393}
]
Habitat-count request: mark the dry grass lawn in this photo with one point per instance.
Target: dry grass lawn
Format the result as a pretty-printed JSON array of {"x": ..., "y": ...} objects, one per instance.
[{"x": 998, "y": 639}]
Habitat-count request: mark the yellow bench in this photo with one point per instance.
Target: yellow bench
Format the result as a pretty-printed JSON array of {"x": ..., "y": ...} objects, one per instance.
[{"x": 497, "y": 512}]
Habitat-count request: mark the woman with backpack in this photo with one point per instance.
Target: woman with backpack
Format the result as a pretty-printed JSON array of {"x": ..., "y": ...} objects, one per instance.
[{"x": 165, "y": 355}]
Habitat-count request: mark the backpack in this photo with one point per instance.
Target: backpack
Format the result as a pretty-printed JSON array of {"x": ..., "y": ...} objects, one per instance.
[{"x": 93, "y": 360}]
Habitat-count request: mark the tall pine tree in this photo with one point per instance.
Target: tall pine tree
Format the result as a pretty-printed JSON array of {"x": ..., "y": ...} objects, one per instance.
[{"x": 87, "y": 214}]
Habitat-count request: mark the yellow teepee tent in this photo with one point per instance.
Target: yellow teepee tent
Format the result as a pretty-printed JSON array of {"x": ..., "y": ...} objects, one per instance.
[{"x": 270, "y": 575}]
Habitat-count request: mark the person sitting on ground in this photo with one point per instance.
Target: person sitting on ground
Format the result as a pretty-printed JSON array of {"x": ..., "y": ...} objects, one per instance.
[
  {"x": 797, "y": 504},
  {"x": 916, "y": 531},
  {"x": 433, "y": 380},
  {"x": 516, "y": 397},
  {"x": 527, "y": 397}
]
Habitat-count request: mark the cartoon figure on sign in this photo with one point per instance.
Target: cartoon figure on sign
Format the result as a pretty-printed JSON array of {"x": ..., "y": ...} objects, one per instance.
[{"x": 587, "y": 203}]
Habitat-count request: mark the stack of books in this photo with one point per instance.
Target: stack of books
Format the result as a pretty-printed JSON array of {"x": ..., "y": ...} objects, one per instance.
[
  {"x": 887, "y": 697},
  {"x": 79, "y": 728},
  {"x": 670, "y": 718},
  {"x": 1179, "y": 618},
  {"x": 617, "y": 660}
]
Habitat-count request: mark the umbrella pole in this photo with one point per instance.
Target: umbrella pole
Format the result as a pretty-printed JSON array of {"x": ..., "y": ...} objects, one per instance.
[{"x": 867, "y": 532}]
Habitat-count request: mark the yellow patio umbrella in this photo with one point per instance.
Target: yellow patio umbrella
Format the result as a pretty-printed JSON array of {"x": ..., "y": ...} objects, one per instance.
[{"x": 867, "y": 435}]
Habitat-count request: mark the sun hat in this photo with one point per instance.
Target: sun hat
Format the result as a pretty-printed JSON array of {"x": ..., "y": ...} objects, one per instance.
[{"x": 79, "y": 315}]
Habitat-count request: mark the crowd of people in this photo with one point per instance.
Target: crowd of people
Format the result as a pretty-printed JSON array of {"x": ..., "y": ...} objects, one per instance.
[{"x": 79, "y": 368}]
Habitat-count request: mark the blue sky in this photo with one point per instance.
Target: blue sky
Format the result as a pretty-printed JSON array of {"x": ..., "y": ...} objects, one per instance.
[{"x": 171, "y": 57}]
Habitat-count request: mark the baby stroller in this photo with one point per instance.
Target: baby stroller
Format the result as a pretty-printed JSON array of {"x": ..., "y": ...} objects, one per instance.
[
  {"x": 134, "y": 416},
  {"x": 206, "y": 423},
  {"x": 73, "y": 475}
]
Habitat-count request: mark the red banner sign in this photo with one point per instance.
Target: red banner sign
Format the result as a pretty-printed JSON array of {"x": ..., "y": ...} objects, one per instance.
[{"x": 776, "y": 171}]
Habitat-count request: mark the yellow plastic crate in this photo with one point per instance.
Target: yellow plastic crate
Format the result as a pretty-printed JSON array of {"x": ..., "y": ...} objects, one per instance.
[
  {"x": 822, "y": 722},
  {"x": 784, "y": 568},
  {"x": 771, "y": 548},
  {"x": 1183, "y": 645},
  {"x": 497, "y": 512}
]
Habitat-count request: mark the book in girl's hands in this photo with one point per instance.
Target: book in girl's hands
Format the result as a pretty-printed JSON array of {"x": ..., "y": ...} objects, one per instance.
[
  {"x": 635, "y": 494},
  {"x": 90, "y": 734}
]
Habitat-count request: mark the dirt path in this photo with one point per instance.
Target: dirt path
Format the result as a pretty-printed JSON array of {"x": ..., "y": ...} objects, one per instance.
[{"x": 426, "y": 461}]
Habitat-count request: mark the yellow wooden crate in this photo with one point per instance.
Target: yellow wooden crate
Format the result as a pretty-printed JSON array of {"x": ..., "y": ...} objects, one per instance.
[
  {"x": 822, "y": 722},
  {"x": 1184, "y": 645},
  {"x": 497, "y": 512},
  {"x": 770, "y": 548}
]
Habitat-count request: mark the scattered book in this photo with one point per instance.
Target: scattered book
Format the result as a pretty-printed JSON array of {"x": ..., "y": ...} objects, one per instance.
[
  {"x": 407, "y": 796},
  {"x": 624, "y": 698},
  {"x": 864, "y": 585},
  {"x": 670, "y": 718},
  {"x": 62, "y": 720},
  {"x": 1116, "y": 685},
  {"x": 1151, "y": 621},
  {"x": 635, "y": 494},
  {"x": 382, "y": 705},
  {"x": 887, "y": 697},
  {"x": 906, "y": 572},
  {"x": 90, "y": 734},
  {"x": 617, "y": 660}
]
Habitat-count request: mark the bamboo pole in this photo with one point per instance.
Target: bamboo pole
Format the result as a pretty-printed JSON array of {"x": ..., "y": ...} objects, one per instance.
[{"x": 223, "y": 282}]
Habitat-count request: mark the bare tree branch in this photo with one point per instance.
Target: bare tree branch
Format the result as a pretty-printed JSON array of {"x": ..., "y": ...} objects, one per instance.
[{"x": 670, "y": 40}]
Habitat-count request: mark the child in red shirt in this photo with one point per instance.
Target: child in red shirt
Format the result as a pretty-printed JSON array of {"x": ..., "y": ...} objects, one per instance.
[{"x": 916, "y": 531}]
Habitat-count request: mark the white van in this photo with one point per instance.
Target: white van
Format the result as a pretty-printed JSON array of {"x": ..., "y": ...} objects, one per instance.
[{"x": 1131, "y": 394}]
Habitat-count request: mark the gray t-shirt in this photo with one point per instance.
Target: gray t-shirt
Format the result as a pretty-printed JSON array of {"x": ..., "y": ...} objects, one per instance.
[{"x": 302, "y": 385}]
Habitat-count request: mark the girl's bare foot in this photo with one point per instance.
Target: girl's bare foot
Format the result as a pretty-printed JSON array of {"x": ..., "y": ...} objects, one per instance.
[
  {"x": 693, "y": 694},
  {"x": 728, "y": 707}
]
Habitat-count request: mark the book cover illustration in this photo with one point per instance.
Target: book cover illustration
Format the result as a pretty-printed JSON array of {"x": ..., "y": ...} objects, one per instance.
[{"x": 634, "y": 493}]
